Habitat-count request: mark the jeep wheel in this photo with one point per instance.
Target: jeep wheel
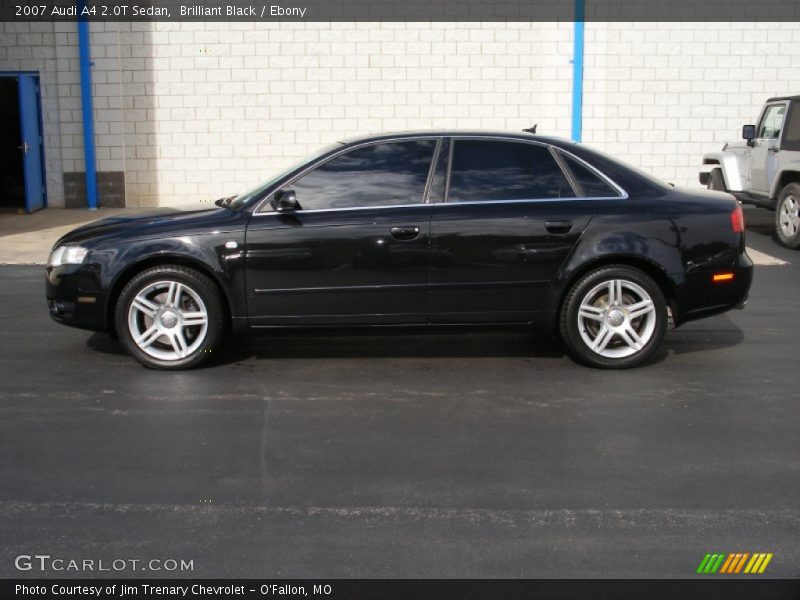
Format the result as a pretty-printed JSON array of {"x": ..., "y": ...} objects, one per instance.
[
  {"x": 787, "y": 216},
  {"x": 716, "y": 181}
]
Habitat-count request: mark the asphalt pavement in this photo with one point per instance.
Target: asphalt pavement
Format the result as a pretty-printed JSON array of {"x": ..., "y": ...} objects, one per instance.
[{"x": 484, "y": 454}]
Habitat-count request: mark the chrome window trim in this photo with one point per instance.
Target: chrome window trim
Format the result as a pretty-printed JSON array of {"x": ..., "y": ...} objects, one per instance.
[
  {"x": 577, "y": 189},
  {"x": 426, "y": 194},
  {"x": 430, "y": 205},
  {"x": 623, "y": 195},
  {"x": 348, "y": 208}
]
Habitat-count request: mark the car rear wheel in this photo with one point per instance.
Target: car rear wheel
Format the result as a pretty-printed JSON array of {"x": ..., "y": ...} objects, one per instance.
[
  {"x": 787, "y": 216},
  {"x": 170, "y": 317},
  {"x": 613, "y": 318}
]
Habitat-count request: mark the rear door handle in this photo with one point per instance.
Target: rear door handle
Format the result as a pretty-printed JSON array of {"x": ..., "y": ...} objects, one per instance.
[
  {"x": 558, "y": 226},
  {"x": 406, "y": 232}
]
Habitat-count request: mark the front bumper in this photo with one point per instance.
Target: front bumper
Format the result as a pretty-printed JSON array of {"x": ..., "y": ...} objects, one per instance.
[{"x": 75, "y": 297}]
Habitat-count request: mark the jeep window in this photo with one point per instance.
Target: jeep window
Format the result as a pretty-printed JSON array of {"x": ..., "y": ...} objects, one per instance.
[
  {"x": 771, "y": 122},
  {"x": 791, "y": 132}
]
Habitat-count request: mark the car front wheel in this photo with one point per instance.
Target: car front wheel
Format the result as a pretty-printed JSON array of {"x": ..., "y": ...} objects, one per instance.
[
  {"x": 613, "y": 318},
  {"x": 787, "y": 216},
  {"x": 170, "y": 317}
]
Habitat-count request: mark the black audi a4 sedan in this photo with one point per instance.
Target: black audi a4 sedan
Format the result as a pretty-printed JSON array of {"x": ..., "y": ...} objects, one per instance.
[{"x": 415, "y": 229}]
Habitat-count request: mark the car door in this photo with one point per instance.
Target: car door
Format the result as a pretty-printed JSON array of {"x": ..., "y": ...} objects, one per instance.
[
  {"x": 354, "y": 251},
  {"x": 510, "y": 215},
  {"x": 764, "y": 151}
]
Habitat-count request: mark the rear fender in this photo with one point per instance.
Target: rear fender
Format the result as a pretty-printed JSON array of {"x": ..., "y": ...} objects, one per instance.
[{"x": 648, "y": 242}]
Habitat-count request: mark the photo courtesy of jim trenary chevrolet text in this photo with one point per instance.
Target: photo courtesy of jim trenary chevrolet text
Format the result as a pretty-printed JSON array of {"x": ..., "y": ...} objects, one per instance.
[{"x": 394, "y": 299}]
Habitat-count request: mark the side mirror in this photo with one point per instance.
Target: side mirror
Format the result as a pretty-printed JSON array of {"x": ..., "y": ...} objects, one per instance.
[
  {"x": 749, "y": 132},
  {"x": 285, "y": 201}
]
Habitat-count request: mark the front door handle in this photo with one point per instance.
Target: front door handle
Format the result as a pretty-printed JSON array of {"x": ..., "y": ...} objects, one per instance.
[
  {"x": 406, "y": 232},
  {"x": 772, "y": 149},
  {"x": 24, "y": 147},
  {"x": 558, "y": 226}
]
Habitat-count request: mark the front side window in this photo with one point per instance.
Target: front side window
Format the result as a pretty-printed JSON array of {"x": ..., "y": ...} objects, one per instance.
[
  {"x": 771, "y": 122},
  {"x": 484, "y": 170},
  {"x": 377, "y": 175}
]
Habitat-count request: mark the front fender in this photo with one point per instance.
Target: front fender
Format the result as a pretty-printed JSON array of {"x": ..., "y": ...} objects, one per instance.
[
  {"x": 731, "y": 166},
  {"x": 208, "y": 252}
]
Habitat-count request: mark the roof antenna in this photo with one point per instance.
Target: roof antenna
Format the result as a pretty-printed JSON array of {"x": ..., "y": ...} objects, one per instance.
[{"x": 531, "y": 129}]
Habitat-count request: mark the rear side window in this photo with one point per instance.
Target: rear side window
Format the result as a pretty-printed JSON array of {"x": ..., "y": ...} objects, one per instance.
[
  {"x": 591, "y": 183},
  {"x": 377, "y": 175},
  {"x": 494, "y": 170}
]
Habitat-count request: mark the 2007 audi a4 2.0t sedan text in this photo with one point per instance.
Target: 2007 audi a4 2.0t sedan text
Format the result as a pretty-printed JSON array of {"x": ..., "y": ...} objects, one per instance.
[{"x": 415, "y": 229}]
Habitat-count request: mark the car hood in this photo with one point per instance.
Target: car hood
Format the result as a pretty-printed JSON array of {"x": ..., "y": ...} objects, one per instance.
[{"x": 152, "y": 222}]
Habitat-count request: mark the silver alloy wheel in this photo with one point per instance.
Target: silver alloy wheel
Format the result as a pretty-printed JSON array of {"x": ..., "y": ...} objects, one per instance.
[
  {"x": 789, "y": 217},
  {"x": 168, "y": 320},
  {"x": 617, "y": 318}
]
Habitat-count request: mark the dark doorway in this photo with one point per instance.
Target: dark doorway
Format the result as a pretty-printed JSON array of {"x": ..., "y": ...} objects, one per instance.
[{"x": 12, "y": 177}]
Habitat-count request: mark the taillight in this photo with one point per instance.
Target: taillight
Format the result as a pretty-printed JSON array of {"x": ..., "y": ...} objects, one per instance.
[{"x": 737, "y": 220}]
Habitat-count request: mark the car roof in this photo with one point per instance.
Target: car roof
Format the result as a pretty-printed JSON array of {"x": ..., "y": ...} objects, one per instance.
[
  {"x": 777, "y": 98},
  {"x": 554, "y": 140}
]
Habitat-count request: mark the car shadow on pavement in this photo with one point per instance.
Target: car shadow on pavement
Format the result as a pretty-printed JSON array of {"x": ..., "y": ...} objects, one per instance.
[
  {"x": 718, "y": 333},
  {"x": 715, "y": 333},
  {"x": 355, "y": 344}
]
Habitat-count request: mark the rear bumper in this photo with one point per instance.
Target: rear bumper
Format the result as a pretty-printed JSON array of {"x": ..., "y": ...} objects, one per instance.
[
  {"x": 703, "y": 297},
  {"x": 75, "y": 298}
]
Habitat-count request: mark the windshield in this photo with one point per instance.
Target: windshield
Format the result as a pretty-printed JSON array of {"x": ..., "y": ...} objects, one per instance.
[{"x": 255, "y": 193}]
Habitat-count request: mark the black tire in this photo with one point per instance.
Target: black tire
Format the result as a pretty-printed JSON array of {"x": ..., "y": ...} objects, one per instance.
[
  {"x": 716, "y": 181},
  {"x": 790, "y": 195},
  {"x": 571, "y": 325},
  {"x": 197, "y": 286}
]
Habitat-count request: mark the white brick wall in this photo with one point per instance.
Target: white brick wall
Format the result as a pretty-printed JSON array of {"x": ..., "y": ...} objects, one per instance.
[
  {"x": 219, "y": 107},
  {"x": 195, "y": 111},
  {"x": 660, "y": 95}
]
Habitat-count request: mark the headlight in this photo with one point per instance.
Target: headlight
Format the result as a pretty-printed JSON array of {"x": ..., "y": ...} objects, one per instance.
[{"x": 67, "y": 255}]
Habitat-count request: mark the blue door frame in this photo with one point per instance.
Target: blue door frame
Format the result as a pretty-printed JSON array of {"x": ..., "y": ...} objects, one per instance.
[{"x": 31, "y": 137}]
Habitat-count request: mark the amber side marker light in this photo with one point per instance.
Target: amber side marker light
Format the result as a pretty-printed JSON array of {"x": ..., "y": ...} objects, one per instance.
[{"x": 722, "y": 277}]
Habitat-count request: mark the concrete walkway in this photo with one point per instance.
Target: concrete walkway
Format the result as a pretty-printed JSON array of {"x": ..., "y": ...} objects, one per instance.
[{"x": 27, "y": 239}]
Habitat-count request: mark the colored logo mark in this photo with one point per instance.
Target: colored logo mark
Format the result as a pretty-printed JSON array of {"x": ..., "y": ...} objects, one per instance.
[{"x": 737, "y": 562}]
